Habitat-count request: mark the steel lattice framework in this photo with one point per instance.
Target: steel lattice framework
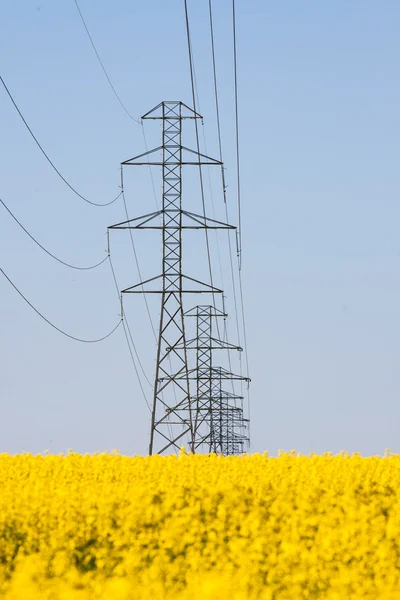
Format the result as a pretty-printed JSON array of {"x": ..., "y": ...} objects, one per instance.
[
  {"x": 229, "y": 427},
  {"x": 219, "y": 422},
  {"x": 173, "y": 421}
]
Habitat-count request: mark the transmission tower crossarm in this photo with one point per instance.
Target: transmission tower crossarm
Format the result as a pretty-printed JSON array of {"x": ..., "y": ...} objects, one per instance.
[
  {"x": 167, "y": 109},
  {"x": 144, "y": 221},
  {"x": 168, "y": 283},
  {"x": 176, "y": 160}
]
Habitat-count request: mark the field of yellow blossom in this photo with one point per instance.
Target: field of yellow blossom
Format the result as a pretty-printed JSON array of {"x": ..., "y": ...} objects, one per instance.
[{"x": 199, "y": 527}]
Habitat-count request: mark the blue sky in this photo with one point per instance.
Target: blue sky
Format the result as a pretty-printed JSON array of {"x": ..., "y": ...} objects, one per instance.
[{"x": 319, "y": 94}]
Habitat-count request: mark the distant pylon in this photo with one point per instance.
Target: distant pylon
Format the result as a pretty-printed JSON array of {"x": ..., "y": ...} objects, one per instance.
[
  {"x": 229, "y": 427},
  {"x": 172, "y": 420},
  {"x": 219, "y": 423}
]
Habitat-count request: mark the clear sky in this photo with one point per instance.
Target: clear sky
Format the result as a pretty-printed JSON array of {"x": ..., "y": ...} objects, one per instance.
[{"x": 319, "y": 95}]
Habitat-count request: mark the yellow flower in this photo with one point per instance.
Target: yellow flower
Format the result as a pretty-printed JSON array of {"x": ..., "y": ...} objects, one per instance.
[{"x": 198, "y": 527}]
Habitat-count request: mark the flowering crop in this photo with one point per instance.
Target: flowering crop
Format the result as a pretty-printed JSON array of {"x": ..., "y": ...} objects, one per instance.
[{"x": 199, "y": 527}]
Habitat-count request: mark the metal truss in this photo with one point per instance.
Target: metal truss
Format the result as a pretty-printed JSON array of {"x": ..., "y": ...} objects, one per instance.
[
  {"x": 219, "y": 424},
  {"x": 228, "y": 431},
  {"x": 174, "y": 419}
]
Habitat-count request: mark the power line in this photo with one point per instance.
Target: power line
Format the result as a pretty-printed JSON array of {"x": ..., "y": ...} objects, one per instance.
[
  {"x": 116, "y": 94},
  {"x": 219, "y": 258},
  {"x": 189, "y": 45},
  {"x": 135, "y": 255},
  {"x": 246, "y": 352},
  {"x": 47, "y": 156},
  {"x": 102, "y": 65},
  {"x": 125, "y": 318},
  {"x": 150, "y": 169},
  {"x": 136, "y": 352},
  {"x": 52, "y": 324},
  {"x": 145, "y": 142},
  {"x": 47, "y": 251},
  {"x": 238, "y": 186},
  {"x": 221, "y": 158},
  {"x": 140, "y": 276},
  {"x": 135, "y": 367},
  {"x": 239, "y": 237},
  {"x": 193, "y": 84},
  {"x": 216, "y": 95},
  {"x": 239, "y": 232},
  {"x": 126, "y": 330},
  {"x": 215, "y": 85},
  {"x": 125, "y": 324}
]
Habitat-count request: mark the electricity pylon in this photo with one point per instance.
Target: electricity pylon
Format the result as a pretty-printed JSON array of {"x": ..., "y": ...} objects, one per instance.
[
  {"x": 219, "y": 423},
  {"x": 172, "y": 419},
  {"x": 229, "y": 427}
]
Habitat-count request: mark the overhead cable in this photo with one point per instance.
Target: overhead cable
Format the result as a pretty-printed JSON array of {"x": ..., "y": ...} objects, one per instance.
[
  {"x": 136, "y": 256},
  {"x": 216, "y": 96},
  {"x": 126, "y": 331},
  {"x": 117, "y": 95},
  {"x": 103, "y": 67},
  {"x": 145, "y": 301},
  {"x": 47, "y": 251},
  {"x": 238, "y": 183},
  {"x": 239, "y": 231},
  {"x": 215, "y": 84},
  {"x": 246, "y": 353},
  {"x": 238, "y": 169},
  {"x": 193, "y": 84},
  {"x": 72, "y": 337},
  {"x": 47, "y": 156},
  {"x": 125, "y": 318},
  {"x": 134, "y": 365},
  {"x": 189, "y": 46},
  {"x": 239, "y": 237},
  {"x": 140, "y": 279},
  {"x": 229, "y": 232},
  {"x": 145, "y": 142}
]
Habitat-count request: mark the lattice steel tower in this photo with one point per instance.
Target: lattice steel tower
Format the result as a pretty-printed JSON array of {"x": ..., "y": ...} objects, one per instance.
[
  {"x": 219, "y": 422},
  {"x": 173, "y": 417}
]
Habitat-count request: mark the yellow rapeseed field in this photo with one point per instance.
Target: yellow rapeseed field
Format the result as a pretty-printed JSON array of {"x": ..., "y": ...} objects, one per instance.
[{"x": 199, "y": 527}]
